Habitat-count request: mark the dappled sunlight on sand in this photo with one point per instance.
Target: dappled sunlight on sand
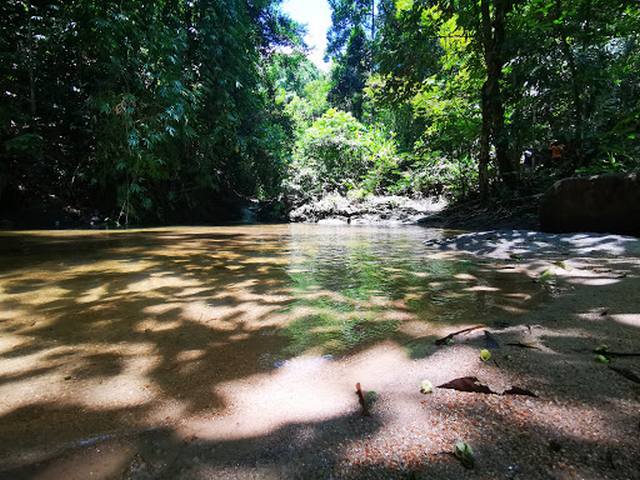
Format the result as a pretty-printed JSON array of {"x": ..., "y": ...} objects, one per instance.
[
  {"x": 236, "y": 333},
  {"x": 627, "y": 319}
]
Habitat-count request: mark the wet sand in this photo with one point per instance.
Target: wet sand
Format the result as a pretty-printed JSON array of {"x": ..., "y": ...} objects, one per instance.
[{"x": 233, "y": 353}]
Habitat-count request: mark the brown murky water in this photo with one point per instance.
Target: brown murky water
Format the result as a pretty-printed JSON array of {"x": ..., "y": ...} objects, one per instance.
[{"x": 112, "y": 332}]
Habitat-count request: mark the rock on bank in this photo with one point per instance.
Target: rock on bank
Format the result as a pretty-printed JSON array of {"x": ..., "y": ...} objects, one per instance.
[
  {"x": 338, "y": 209},
  {"x": 604, "y": 203}
]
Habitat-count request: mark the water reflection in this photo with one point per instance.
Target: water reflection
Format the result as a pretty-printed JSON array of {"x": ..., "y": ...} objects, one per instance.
[
  {"x": 354, "y": 286},
  {"x": 321, "y": 289}
]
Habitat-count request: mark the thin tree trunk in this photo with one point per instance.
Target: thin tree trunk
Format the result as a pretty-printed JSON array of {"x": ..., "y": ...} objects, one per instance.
[
  {"x": 373, "y": 20},
  {"x": 485, "y": 129},
  {"x": 485, "y": 147},
  {"x": 577, "y": 100},
  {"x": 31, "y": 65},
  {"x": 503, "y": 159},
  {"x": 576, "y": 96}
]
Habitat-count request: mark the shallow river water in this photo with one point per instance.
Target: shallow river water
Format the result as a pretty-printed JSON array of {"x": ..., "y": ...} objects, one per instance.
[{"x": 105, "y": 331}]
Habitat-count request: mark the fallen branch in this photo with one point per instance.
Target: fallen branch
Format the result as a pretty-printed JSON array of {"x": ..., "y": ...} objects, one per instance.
[
  {"x": 472, "y": 385},
  {"x": 524, "y": 345},
  {"x": 620, "y": 354},
  {"x": 445, "y": 340},
  {"x": 362, "y": 400}
]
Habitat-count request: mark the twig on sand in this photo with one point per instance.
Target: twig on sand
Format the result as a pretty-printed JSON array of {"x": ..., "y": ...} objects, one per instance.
[
  {"x": 524, "y": 345},
  {"x": 445, "y": 340},
  {"x": 362, "y": 400},
  {"x": 626, "y": 373},
  {"x": 621, "y": 354}
]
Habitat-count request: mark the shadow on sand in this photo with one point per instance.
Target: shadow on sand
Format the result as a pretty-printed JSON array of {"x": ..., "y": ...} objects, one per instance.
[{"x": 111, "y": 341}]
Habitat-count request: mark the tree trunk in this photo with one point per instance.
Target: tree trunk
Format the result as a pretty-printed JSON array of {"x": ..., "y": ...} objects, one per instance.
[
  {"x": 485, "y": 146},
  {"x": 493, "y": 38},
  {"x": 31, "y": 65},
  {"x": 373, "y": 20},
  {"x": 503, "y": 159},
  {"x": 576, "y": 99},
  {"x": 576, "y": 96}
]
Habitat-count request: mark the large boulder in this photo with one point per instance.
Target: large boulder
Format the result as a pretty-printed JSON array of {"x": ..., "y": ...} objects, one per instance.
[{"x": 605, "y": 203}]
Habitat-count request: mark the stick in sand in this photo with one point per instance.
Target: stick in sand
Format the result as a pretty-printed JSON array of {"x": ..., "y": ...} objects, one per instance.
[
  {"x": 444, "y": 340},
  {"x": 363, "y": 402}
]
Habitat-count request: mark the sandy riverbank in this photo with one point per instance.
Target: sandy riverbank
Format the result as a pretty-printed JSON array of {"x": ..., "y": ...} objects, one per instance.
[{"x": 302, "y": 419}]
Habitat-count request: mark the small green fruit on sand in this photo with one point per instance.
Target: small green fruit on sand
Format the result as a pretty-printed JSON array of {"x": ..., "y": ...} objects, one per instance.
[
  {"x": 601, "y": 359},
  {"x": 485, "y": 355},
  {"x": 463, "y": 452},
  {"x": 426, "y": 387}
]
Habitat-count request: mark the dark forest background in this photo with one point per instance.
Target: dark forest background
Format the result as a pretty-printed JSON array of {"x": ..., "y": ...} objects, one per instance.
[{"x": 173, "y": 111}]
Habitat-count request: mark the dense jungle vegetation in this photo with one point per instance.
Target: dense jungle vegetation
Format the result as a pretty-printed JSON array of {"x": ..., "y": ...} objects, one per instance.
[{"x": 174, "y": 111}]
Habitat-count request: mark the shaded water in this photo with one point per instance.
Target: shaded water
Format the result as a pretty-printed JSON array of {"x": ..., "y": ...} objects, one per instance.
[{"x": 145, "y": 324}]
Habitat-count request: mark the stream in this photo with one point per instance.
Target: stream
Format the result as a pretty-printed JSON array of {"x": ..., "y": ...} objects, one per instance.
[{"x": 118, "y": 331}]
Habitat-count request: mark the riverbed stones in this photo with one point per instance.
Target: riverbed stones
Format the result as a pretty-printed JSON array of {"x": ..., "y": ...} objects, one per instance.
[{"x": 335, "y": 209}]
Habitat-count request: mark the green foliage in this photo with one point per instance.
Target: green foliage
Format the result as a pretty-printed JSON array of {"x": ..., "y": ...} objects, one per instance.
[
  {"x": 347, "y": 16},
  {"x": 334, "y": 151},
  {"x": 291, "y": 73},
  {"x": 570, "y": 61},
  {"x": 338, "y": 153},
  {"x": 29, "y": 145},
  {"x": 305, "y": 109},
  {"x": 384, "y": 167},
  {"x": 427, "y": 92},
  {"x": 147, "y": 109},
  {"x": 349, "y": 75},
  {"x": 566, "y": 76},
  {"x": 351, "y": 40},
  {"x": 611, "y": 164}
]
